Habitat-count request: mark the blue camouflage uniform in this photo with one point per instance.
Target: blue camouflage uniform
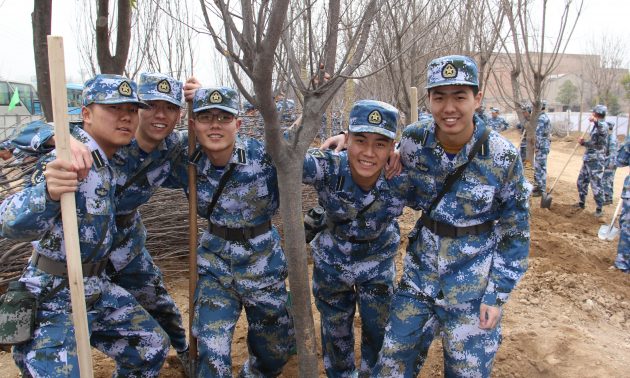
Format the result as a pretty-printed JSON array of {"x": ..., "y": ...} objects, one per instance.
[
  {"x": 543, "y": 144},
  {"x": 610, "y": 168},
  {"x": 119, "y": 326},
  {"x": 138, "y": 175},
  {"x": 622, "y": 261},
  {"x": 592, "y": 169},
  {"x": 523, "y": 128},
  {"x": 481, "y": 113},
  {"x": 240, "y": 260},
  {"x": 354, "y": 256},
  {"x": 447, "y": 278},
  {"x": 497, "y": 123}
]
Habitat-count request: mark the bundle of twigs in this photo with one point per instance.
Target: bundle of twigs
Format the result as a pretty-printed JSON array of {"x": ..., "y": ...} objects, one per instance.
[{"x": 14, "y": 254}]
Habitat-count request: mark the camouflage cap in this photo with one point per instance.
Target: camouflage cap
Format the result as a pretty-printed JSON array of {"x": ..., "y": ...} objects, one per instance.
[
  {"x": 527, "y": 108},
  {"x": 369, "y": 116},
  {"x": 611, "y": 125},
  {"x": 222, "y": 98},
  {"x": 157, "y": 86},
  {"x": 247, "y": 106},
  {"x": 494, "y": 110},
  {"x": 452, "y": 70},
  {"x": 111, "y": 89},
  {"x": 600, "y": 109}
]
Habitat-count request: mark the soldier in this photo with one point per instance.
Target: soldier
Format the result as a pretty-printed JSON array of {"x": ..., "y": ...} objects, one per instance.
[
  {"x": 140, "y": 169},
  {"x": 481, "y": 113},
  {"x": 354, "y": 255},
  {"x": 610, "y": 168},
  {"x": 240, "y": 260},
  {"x": 470, "y": 247},
  {"x": 622, "y": 262},
  {"x": 543, "y": 144},
  {"x": 119, "y": 326},
  {"x": 593, "y": 167},
  {"x": 496, "y": 122}
]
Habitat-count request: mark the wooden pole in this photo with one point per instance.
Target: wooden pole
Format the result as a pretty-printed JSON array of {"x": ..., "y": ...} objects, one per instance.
[
  {"x": 414, "y": 106},
  {"x": 57, "y": 68},
  {"x": 414, "y": 118},
  {"x": 192, "y": 241}
]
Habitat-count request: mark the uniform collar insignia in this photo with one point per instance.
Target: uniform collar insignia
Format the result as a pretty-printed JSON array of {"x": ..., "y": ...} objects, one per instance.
[
  {"x": 99, "y": 162},
  {"x": 196, "y": 155}
]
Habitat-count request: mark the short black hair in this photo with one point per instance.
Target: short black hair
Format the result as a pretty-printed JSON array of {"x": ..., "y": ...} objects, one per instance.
[{"x": 475, "y": 89}]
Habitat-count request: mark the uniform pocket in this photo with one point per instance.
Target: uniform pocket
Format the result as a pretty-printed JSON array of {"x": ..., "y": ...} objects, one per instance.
[{"x": 475, "y": 198}]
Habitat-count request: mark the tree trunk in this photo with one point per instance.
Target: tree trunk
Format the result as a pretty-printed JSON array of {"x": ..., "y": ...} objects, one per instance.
[
  {"x": 41, "y": 19},
  {"x": 290, "y": 174},
  {"x": 113, "y": 64}
]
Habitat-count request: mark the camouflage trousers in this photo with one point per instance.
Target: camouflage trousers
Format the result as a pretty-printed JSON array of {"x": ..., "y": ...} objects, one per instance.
[
  {"x": 338, "y": 289},
  {"x": 469, "y": 351},
  {"x": 622, "y": 261},
  {"x": 592, "y": 172},
  {"x": 143, "y": 279},
  {"x": 608, "y": 180},
  {"x": 270, "y": 328},
  {"x": 523, "y": 148},
  {"x": 540, "y": 168},
  {"x": 119, "y": 327}
]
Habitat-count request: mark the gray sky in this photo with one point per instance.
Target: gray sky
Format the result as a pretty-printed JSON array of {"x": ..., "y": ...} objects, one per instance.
[{"x": 599, "y": 17}]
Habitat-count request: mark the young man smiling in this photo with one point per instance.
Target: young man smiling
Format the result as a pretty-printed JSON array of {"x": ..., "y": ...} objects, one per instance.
[
  {"x": 240, "y": 261},
  {"x": 119, "y": 326},
  {"x": 470, "y": 247},
  {"x": 354, "y": 255},
  {"x": 141, "y": 167}
]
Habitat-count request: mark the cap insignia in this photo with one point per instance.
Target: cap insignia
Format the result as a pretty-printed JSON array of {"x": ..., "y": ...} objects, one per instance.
[
  {"x": 125, "y": 89},
  {"x": 164, "y": 86},
  {"x": 375, "y": 117}
]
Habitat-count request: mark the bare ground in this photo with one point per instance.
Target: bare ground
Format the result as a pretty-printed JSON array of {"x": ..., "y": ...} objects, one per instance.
[{"x": 568, "y": 317}]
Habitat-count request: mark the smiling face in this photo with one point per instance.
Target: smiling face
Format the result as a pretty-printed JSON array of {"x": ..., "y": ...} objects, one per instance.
[
  {"x": 216, "y": 132},
  {"x": 367, "y": 156},
  {"x": 111, "y": 125},
  {"x": 157, "y": 122},
  {"x": 453, "y": 107}
]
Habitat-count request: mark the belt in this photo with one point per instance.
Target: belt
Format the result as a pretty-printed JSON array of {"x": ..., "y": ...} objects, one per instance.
[
  {"x": 124, "y": 220},
  {"x": 239, "y": 234},
  {"x": 59, "y": 268},
  {"x": 446, "y": 230}
]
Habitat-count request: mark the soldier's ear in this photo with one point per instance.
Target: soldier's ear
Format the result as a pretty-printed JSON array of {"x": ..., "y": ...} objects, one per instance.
[{"x": 86, "y": 114}]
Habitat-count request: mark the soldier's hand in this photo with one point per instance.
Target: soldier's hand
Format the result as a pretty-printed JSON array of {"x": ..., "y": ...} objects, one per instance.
[
  {"x": 393, "y": 166},
  {"x": 61, "y": 177},
  {"x": 336, "y": 142},
  {"x": 581, "y": 141},
  {"x": 82, "y": 158},
  {"x": 489, "y": 316},
  {"x": 190, "y": 87}
]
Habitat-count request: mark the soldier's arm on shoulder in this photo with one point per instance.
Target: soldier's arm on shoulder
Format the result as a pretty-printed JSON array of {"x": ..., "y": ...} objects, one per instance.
[{"x": 315, "y": 166}]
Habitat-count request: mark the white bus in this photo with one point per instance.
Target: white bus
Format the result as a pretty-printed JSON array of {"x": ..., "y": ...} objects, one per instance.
[{"x": 29, "y": 108}]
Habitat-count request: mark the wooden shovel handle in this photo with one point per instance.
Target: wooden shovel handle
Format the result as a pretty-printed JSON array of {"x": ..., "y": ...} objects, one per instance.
[{"x": 57, "y": 68}]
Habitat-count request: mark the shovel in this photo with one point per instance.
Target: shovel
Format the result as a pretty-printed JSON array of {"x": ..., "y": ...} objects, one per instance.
[
  {"x": 545, "y": 199},
  {"x": 609, "y": 232}
]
